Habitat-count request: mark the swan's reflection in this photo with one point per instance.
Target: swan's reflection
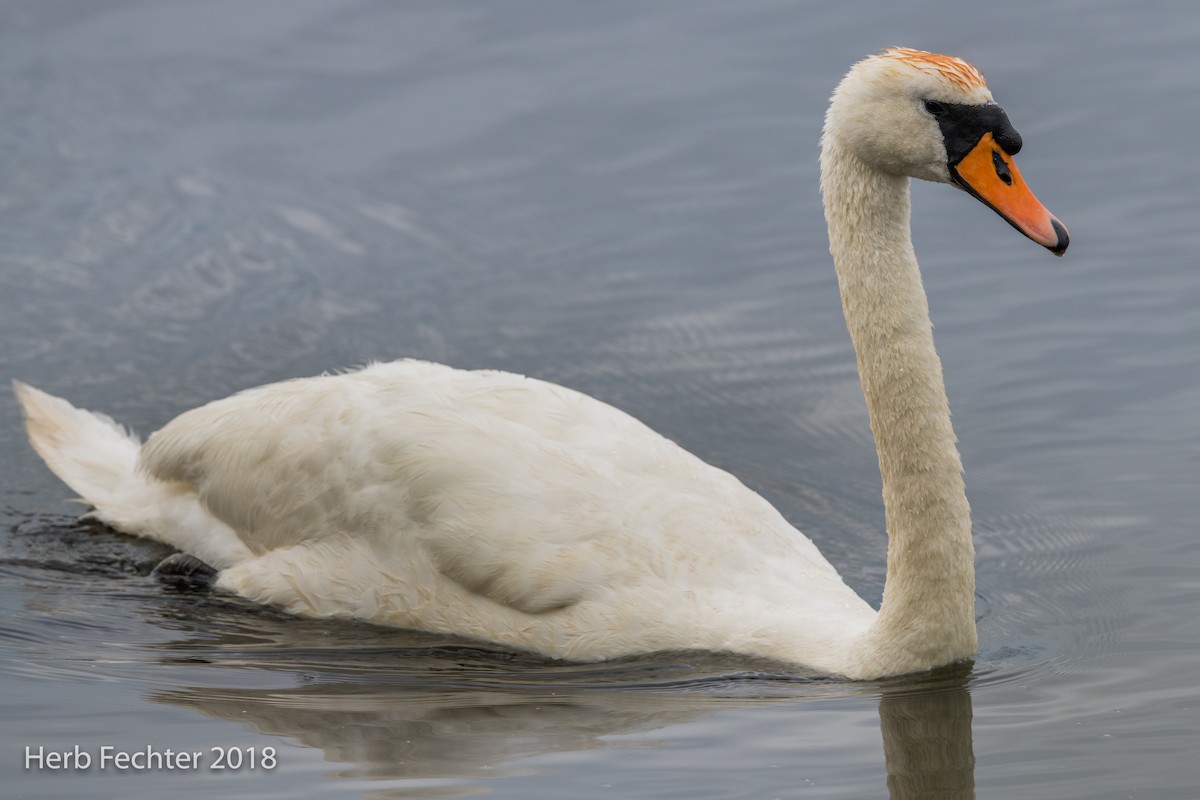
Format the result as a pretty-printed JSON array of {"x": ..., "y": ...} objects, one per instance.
[
  {"x": 927, "y": 745},
  {"x": 394, "y": 732},
  {"x": 436, "y": 709}
]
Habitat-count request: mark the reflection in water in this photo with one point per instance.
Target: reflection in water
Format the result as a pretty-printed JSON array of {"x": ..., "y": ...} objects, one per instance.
[
  {"x": 438, "y": 711},
  {"x": 391, "y": 732},
  {"x": 927, "y": 743}
]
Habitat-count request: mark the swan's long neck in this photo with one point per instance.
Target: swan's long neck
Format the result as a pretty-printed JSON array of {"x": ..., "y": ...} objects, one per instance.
[{"x": 927, "y": 616}]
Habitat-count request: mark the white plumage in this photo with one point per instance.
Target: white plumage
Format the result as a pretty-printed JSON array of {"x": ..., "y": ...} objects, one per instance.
[
  {"x": 482, "y": 503},
  {"x": 505, "y": 508}
]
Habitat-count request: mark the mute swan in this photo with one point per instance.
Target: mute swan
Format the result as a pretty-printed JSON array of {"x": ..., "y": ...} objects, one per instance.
[{"x": 499, "y": 507}]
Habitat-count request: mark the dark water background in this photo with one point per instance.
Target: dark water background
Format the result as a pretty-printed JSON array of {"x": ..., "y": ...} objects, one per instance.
[{"x": 196, "y": 197}]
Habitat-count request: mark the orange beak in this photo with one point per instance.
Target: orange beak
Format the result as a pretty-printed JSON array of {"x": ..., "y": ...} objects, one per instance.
[{"x": 990, "y": 174}]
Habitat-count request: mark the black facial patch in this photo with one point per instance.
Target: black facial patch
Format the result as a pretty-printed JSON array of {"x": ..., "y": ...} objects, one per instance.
[{"x": 964, "y": 125}]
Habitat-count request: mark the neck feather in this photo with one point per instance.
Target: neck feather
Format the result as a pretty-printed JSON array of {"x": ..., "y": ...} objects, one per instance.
[{"x": 927, "y": 616}]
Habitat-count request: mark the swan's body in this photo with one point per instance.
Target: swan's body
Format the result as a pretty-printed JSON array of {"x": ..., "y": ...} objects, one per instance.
[{"x": 504, "y": 508}]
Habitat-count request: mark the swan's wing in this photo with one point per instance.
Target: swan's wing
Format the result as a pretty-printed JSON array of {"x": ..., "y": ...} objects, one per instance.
[{"x": 527, "y": 493}]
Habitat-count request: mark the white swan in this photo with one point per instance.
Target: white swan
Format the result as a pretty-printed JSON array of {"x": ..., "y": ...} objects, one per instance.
[{"x": 500, "y": 507}]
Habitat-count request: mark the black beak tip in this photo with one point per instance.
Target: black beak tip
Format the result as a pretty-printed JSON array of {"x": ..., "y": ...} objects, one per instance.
[{"x": 1060, "y": 246}]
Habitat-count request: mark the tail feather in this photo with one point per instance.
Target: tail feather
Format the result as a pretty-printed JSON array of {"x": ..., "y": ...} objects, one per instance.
[
  {"x": 98, "y": 458},
  {"x": 92, "y": 453}
]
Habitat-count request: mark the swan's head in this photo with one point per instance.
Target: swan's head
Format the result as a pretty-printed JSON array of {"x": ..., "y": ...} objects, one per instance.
[{"x": 930, "y": 116}]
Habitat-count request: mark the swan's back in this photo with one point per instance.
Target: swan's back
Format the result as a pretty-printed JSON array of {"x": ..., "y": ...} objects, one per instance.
[{"x": 526, "y": 494}]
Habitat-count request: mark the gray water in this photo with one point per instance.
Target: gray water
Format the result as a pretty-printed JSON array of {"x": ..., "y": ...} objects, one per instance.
[{"x": 197, "y": 197}]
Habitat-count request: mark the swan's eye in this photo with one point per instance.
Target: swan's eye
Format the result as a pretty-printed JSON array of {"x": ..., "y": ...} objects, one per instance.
[{"x": 934, "y": 107}]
